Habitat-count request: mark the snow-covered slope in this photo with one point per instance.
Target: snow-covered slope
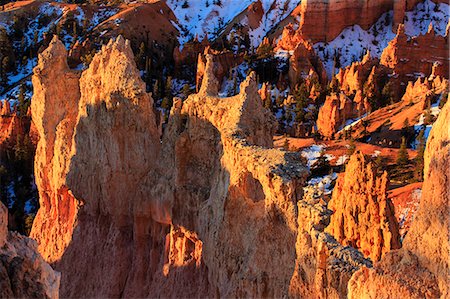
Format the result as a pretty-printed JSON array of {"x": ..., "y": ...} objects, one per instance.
[
  {"x": 210, "y": 17},
  {"x": 274, "y": 12},
  {"x": 204, "y": 17}
]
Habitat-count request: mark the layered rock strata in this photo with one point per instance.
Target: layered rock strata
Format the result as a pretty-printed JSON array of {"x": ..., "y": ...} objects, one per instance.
[{"x": 409, "y": 56}]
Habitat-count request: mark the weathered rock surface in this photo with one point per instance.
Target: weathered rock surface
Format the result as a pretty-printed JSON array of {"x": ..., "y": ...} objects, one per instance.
[
  {"x": 421, "y": 268},
  {"x": 305, "y": 63},
  {"x": 322, "y": 21},
  {"x": 385, "y": 125},
  {"x": 336, "y": 110},
  {"x": 23, "y": 272},
  {"x": 54, "y": 120},
  {"x": 323, "y": 266},
  {"x": 224, "y": 61},
  {"x": 203, "y": 216},
  {"x": 407, "y": 56},
  {"x": 363, "y": 217}
]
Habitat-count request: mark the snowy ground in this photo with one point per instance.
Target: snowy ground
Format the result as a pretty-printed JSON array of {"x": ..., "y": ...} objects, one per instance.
[
  {"x": 209, "y": 17},
  {"x": 435, "y": 110},
  {"x": 313, "y": 152}
]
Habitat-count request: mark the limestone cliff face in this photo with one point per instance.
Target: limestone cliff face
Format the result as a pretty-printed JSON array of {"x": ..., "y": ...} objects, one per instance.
[
  {"x": 363, "y": 217},
  {"x": 421, "y": 268},
  {"x": 23, "y": 272},
  {"x": 207, "y": 212}
]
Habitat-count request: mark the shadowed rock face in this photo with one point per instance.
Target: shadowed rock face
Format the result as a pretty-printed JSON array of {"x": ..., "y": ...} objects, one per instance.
[
  {"x": 123, "y": 214},
  {"x": 23, "y": 272},
  {"x": 208, "y": 210}
]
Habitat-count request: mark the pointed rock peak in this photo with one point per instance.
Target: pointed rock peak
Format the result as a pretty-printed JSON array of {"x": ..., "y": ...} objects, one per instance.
[
  {"x": 210, "y": 85},
  {"x": 430, "y": 28},
  {"x": 249, "y": 84},
  {"x": 401, "y": 29},
  {"x": 447, "y": 30},
  {"x": 366, "y": 57},
  {"x": 120, "y": 44},
  {"x": 55, "y": 55}
]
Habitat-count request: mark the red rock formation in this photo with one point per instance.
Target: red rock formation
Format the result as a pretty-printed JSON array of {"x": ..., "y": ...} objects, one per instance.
[
  {"x": 323, "y": 267},
  {"x": 352, "y": 78},
  {"x": 23, "y": 272},
  {"x": 323, "y": 21},
  {"x": 223, "y": 63},
  {"x": 385, "y": 125},
  {"x": 336, "y": 110},
  {"x": 421, "y": 268},
  {"x": 188, "y": 55},
  {"x": 364, "y": 217},
  {"x": 255, "y": 13},
  {"x": 304, "y": 63},
  {"x": 11, "y": 126},
  {"x": 408, "y": 56},
  {"x": 160, "y": 223},
  {"x": 54, "y": 121}
]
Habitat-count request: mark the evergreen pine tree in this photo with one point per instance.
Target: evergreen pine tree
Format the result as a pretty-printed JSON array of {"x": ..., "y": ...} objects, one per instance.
[{"x": 402, "y": 156}]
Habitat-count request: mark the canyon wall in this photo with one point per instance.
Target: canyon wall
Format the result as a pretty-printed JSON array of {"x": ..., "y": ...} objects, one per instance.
[
  {"x": 323, "y": 21},
  {"x": 408, "y": 56},
  {"x": 207, "y": 209}
]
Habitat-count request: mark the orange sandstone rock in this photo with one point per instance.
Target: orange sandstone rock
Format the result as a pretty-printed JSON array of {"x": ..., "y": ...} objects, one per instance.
[
  {"x": 407, "y": 56},
  {"x": 364, "y": 217},
  {"x": 421, "y": 268}
]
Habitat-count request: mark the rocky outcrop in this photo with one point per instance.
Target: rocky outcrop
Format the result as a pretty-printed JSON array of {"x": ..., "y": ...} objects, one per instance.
[
  {"x": 385, "y": 125},
  {"x": 304, "y": 63},
  {"x": 363, "y": 217},
  {"x": 188, "y": 55},
  {"x": 12, "y": 126},
  {"x": 141, "y": 221},
  {"x": 367, "y": 71},
  {"x": 409, "y": 56},
  {"x": 323, "y": 266},
  {"x": 23, "y": 272},
  {"x": 54, "y": 121},
  {"x": 323, "y": 21},
  {"x": 336, "y": 110},
  {"x": 223, "y": 63},
  {"x": 421, "y": 268}
]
